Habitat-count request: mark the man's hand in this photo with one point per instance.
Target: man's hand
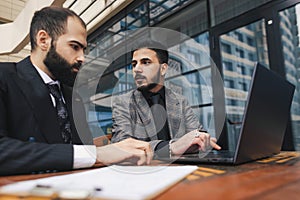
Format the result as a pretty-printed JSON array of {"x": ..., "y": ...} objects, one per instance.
[
  {"x": 194, "y": 141},
  {"x": 129, "y": 149}
]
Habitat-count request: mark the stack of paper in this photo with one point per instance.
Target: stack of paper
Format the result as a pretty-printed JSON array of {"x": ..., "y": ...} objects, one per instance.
[{"x": 114, "y": 182}]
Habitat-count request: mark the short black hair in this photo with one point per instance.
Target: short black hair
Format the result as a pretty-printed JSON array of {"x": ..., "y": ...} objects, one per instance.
[
  {"x": 160, "y": 50},
  {"x": 53, "y": 20}
]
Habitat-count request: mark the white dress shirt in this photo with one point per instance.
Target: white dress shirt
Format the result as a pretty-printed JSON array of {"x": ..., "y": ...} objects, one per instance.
[{"x": 84, "y": 155}]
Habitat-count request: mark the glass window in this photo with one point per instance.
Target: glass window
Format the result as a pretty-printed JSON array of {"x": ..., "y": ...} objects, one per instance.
[
  {"x": 227, "y": 66},
  {"x": 244, "y": 86},
  {"x": 137, "y": 18},
  {"x": 229, "y": 83},
  {"x": 250, "y": 41},
  {"x": 118, "y": 76},
  {"x": 240, "y": 53},
  {"x": 189, "y": 74},
  {"x": 238, "y": 36},
  {"x": 237, "y": 77},
  {"x": 160, "y": 9},
  {"x": 251, "y": 56},
  {"x": 222, "y": 10},
  {"x": 226, "y": 48},
  {"x": 289, "y": 30},
  {"x": 191, "y": 20},
  {"x": 102, "y": 124},
  {"x": 114, "y": 35}
]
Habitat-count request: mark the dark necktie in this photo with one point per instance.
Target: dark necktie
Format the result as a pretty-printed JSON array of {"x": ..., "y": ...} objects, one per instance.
[
  {"x": 160, "y": 118},
  {"x": 62, "y": 114}
]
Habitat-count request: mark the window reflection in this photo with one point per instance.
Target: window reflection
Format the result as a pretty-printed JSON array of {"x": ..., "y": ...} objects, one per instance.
[
  {"x": 189, "y": 74},
  {"x": 160, "y": 9},
  {"x": 190, "y": 68},
  {"x": 137, "y": 18},
  {"x": 289, "y": 30},
  {"x": 240, "y": 49},
  {"x": 222, "y": 10}
]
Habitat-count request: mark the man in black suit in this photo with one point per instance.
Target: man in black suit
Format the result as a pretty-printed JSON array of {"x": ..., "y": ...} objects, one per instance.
[{"x": 37, "y": 131}]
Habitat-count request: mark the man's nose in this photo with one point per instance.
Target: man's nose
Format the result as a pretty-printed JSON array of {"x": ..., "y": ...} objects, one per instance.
[
  {"x": 137, "y": 68},
  {"x": 81, "y": 58}
]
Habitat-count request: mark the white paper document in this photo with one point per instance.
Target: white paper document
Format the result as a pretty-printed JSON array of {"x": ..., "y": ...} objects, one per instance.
[{"x": 114, "y": 182}]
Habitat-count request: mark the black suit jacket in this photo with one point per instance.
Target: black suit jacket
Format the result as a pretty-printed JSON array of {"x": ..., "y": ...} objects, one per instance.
[{"x": 26, "y": 112}]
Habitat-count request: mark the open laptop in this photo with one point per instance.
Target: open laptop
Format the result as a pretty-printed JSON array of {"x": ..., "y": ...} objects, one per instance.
[{"x": 264, "y": 123}]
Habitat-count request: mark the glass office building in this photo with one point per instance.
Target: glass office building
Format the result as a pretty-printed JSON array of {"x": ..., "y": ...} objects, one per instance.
[{"x": 233, "y": 34}]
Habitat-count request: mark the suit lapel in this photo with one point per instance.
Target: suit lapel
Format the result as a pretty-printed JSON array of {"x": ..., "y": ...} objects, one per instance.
[
  {"x": 144, "y": 114},
  {"x": 173, "y": 112},
  {"x": 37, "y": 95}
]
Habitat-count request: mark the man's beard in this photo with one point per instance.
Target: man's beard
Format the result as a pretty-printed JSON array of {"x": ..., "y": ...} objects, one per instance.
[
  {"x": 150, "y": 86},
  {"x": 60, "y": 68},
  {"x": 147, "y": 88}
]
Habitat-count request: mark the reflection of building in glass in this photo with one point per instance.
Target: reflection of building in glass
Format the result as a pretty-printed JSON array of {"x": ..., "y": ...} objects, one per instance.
[
  {"x": 190, "y": 75},
  {"x": 190, "y": 67},
  {"x": 290, "y": 45},
  {"x": 240, "y": 50}
]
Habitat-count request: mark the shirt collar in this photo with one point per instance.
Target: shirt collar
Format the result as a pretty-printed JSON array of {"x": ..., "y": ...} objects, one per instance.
[
  {"x": 46, "y": 79},
  {"x": 161, "y": 92}
]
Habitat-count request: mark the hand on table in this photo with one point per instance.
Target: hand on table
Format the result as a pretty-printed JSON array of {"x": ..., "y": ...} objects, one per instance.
[
  {"x": 129, "y": 149},
  {"x": 192, "y": 142}
]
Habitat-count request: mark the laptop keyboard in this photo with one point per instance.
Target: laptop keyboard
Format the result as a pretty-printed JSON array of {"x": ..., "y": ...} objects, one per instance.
[{"x": 212, "y": 154}]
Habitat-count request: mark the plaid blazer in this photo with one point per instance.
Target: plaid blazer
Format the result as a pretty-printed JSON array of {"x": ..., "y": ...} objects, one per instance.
[{"x": 132, "y": 117}]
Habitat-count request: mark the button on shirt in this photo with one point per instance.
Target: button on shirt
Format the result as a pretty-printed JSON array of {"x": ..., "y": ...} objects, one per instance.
[{"x": 84, "y": 155}]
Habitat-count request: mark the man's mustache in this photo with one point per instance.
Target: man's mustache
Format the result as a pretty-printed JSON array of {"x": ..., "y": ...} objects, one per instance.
[
  {"x": 139, "y": 76},
  {"x": 77, "y": 65}
]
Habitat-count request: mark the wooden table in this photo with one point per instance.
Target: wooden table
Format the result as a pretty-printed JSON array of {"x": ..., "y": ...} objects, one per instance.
[{"x": 274, "y": 178}]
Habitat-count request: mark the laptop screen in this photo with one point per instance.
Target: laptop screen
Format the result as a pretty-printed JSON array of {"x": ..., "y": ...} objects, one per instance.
[
  {"x": 266, "y": 115},
  {"x": 264, "y": 123}
]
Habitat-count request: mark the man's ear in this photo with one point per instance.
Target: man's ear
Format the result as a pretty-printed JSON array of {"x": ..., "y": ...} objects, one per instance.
[
  {"x": 43, "y": 40},
  {"x": 163, "y": 69}
]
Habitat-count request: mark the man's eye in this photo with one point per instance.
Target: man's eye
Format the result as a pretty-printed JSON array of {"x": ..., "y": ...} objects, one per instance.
[
  {"x": 75, "y": 47},
  {"x": 146, "y": 62}
]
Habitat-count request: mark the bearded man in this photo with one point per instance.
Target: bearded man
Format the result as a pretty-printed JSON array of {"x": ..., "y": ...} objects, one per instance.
[
  {"x": 154, "y": 113},
  {"x": 37, "y": 131}
]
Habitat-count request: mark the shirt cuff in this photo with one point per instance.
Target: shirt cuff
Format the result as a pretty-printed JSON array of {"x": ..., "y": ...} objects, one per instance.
[{"x": 84, "y": 156}]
